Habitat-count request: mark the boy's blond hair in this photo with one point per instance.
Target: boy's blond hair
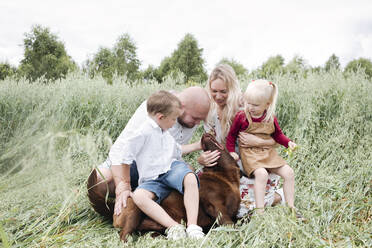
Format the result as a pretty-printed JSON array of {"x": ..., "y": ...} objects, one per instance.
[{"x": 163, "y": 102}]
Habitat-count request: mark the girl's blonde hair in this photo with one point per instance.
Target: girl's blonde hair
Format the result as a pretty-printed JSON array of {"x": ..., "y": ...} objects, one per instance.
[
  {"x": 263, "y": 90},
  {"x": 227, "y": 74}
]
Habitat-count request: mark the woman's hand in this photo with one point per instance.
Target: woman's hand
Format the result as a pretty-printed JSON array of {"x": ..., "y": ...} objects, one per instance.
[
  {"x": 209, "y": 158},
  {"x": 235, "y": 156},
  {"x": 250, "y": 140}
]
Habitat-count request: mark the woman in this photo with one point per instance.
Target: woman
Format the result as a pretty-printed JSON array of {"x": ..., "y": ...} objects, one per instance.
[{"x": 224, "y": 90}]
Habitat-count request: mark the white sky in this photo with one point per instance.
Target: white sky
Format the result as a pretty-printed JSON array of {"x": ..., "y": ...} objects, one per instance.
[{"x": 248, "y": 31}]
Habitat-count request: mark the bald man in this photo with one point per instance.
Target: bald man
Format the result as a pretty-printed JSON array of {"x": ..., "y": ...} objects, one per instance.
[{"x": 195, "y": 103}]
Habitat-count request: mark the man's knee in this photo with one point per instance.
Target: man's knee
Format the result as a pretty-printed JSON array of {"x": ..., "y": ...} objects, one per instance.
[{"x": 105, "y": 180}]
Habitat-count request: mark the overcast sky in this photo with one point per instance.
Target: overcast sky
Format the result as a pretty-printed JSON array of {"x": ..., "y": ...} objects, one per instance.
[{"x": 248, "y": 31}]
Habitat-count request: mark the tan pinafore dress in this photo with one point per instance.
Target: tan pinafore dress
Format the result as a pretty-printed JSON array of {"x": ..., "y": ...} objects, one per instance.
[{"x": 258, "y": 157}]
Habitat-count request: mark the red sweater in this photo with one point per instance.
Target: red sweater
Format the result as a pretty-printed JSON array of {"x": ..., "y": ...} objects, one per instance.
[{"x": 240, "y": 124}]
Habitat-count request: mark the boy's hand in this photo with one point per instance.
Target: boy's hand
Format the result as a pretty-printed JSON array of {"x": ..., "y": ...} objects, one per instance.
[{"x": 234, "y": 155}]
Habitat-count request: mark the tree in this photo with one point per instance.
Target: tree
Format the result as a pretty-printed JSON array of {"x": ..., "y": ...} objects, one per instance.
[
  {"x": 187, "y": 58},
  {"x": 6, "y": 70},
  {"x": 121, "y": 60},
  {"x": 164, "y": 69},
  {"x": 272, "y": 66},
  {"x": 332, "y": 63},
  {"x": 103, "y": 63},
  {"x": 44, "y": 56},
  {"x": 296, "y": 65},
  {"x": 360, "y": 64},
  {"x": 238, "y": 68},
  {"x": 126, "y": 61}
]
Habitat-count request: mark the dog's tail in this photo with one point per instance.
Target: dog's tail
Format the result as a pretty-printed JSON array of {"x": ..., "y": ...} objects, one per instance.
[{"x": 98, "y": 200}]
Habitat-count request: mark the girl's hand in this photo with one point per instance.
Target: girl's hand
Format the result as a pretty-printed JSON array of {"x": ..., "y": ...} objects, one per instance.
[
  {"x": 209, "y": 158},
  {"x": 234, "y": 155},
  {"x": 292, "y": 145}
]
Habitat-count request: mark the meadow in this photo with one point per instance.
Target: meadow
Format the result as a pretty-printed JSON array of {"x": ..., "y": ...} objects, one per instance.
[{"x": 51, "y": 136}]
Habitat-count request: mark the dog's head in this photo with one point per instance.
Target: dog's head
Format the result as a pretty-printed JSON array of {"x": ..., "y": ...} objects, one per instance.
[{"x": 209, "y": 143}]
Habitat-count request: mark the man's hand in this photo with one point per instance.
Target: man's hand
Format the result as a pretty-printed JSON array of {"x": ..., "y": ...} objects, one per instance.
[
  {"x": 209, "y": 158},
  {"x": 235, "y": 156},
  {"x": 122, "y": 192},
  {"x": 121, "y": 201}
]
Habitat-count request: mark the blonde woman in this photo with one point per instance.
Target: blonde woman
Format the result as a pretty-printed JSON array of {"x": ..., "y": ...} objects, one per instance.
[{"x": 226, "y": 100}]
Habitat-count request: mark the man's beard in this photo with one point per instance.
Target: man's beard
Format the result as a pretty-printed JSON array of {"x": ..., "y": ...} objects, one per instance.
[{"x": 182, "y": 123}]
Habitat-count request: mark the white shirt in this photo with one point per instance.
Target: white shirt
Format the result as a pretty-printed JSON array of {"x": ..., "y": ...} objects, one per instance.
[
  {"x": 181, "y": 134},
  {"x": 153, "y": 149}
]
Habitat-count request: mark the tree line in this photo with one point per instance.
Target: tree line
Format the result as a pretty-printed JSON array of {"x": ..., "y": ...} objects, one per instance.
[{"x": 46, "y": 59}]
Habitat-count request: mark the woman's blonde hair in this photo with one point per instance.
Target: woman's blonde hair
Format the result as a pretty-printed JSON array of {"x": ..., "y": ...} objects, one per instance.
[
  {"x": 263, "y": 90},
  {"x": 227, "y": 74}
]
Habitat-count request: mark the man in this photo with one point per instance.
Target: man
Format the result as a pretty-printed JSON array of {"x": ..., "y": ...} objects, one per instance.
[{"x": 195, "y": 103}]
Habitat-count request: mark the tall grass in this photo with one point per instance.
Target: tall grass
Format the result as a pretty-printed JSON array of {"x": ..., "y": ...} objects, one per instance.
[{"x": 51, "y": 136}]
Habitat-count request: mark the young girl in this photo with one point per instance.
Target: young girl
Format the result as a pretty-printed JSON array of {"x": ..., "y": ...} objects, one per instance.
[{"x": 258, "y": 118}]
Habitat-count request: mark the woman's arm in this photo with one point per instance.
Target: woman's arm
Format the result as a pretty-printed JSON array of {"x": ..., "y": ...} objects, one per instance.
[{"x": 251, "y": 140}]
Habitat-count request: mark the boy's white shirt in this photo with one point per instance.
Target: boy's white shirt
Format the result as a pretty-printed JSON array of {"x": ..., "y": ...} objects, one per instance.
[
  {"x": 153, "y": 149},
  {"x": 181, "y": 134}
]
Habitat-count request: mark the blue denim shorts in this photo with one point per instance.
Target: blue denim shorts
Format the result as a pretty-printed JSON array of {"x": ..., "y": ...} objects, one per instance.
[
  {"x": 133, "y": 172},
  {"x": 166, "y": 182}
]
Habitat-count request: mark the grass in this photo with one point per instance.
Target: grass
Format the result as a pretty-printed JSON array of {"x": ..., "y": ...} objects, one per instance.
[{"x": 51, "y": 136}]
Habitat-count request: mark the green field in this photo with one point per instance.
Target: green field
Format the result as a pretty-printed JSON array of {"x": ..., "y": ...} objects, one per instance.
[{"x": 51, "y": 136}]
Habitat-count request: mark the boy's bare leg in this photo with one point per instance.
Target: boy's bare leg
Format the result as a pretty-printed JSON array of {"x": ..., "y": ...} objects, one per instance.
[
  {"x": 260, "y": 180},
  {"x": 144, "y": 200},
  {"x": 191, "y": 198}
]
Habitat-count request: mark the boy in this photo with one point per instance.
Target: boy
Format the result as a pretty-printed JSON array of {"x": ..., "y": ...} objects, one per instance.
[{"x": 157, "y": 156}]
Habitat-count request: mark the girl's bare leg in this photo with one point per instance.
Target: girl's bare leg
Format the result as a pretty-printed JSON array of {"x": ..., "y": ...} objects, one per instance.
[
  {"x": 260, "y": 180},
  {"x": 287, "y": 173}
]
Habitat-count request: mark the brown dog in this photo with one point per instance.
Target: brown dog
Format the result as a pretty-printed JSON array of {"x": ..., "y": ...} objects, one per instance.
[{"x": 219, "y": 198}]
